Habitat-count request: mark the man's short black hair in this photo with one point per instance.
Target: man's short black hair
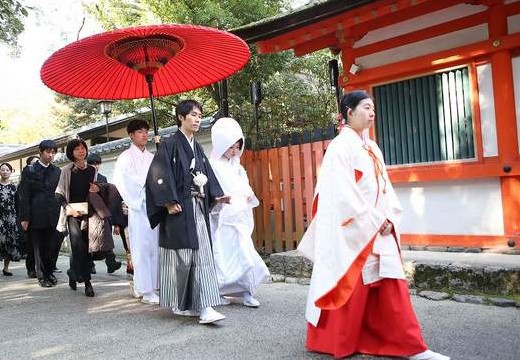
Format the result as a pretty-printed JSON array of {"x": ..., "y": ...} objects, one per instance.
[
  {"x": 48, "y": 144},
  {"x": 94, "y": 159},
  {"x": 137, "y": 124},
  {"x": 71, "y": 145},
  {"x": 184, "y": 107}
]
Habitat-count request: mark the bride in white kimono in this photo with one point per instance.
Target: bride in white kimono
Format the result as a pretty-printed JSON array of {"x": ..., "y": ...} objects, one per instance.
[{"x": 240, "y": 270}]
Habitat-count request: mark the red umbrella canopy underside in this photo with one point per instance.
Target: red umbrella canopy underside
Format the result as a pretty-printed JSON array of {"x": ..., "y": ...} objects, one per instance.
[{"x": 113, "y": 65}]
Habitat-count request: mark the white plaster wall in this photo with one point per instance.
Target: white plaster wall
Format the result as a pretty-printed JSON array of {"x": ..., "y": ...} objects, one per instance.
[
  {"x": 516, "y": 89},
  {"x": 425, "y": 47},
  {"x": 513, "y": 24},
  {"x": 487, "y": 110},
  {"x": 472, "y": 207},
  {"x": 420, "y": 22}
]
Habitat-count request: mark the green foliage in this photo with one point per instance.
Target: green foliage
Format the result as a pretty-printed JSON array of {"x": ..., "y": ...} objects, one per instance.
[
  {"x": 12, "y": 13},
  {"x": 114, "y": 14},
  {"x": 17, "y": 126},
  {"x": 296, "y": 94},
  {"x": 296, "y": 99}
]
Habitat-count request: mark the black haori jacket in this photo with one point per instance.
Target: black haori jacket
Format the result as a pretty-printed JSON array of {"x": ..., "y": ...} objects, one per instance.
[
  {"x": 37, "y": 203},
  {"x": 169, "y": 180}
]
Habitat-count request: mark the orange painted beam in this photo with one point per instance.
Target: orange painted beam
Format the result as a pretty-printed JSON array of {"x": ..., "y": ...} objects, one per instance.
[
  {"x": 478, "y": 241},
  {"x": 513, "y": 8},
  {"x": 424, "y": 34},
  {"x": 400, "y": 16},
  {"x": 316, "y": 44},
  {"x": 432, "y": 62},
  {"x": 326, "y": 36},
  {"x": 451, "y": 171},
  {"x": 510, "y": 188},
  {"x": 320, "y": 28},
  {"x": 355, "y": 22},
  {"x": 507, "y": 132}
]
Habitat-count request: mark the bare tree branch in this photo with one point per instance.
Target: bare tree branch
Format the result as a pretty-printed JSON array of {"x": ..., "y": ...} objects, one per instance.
[{"x": 80, "y": 28}]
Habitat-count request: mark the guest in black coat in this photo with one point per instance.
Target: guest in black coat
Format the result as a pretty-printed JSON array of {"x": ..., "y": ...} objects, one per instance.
[{"x": 40, "y": 211}]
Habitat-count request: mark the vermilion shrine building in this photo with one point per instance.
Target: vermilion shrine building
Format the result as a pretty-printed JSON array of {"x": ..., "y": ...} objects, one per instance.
[{"x": 445, "y": 76}]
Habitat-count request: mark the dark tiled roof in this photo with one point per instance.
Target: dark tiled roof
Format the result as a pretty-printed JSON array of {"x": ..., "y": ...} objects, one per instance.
[
  {"x": 123, "y": 144},
  {"x": 85, "y": 132}
]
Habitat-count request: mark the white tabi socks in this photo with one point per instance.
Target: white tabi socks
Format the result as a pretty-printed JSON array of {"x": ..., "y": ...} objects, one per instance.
[
  {"x": 429, "y": 355},
  {"x": 209, "y": 315}
]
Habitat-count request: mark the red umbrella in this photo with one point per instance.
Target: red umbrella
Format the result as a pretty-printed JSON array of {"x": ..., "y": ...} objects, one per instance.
[{"x": 144, "y": 61}]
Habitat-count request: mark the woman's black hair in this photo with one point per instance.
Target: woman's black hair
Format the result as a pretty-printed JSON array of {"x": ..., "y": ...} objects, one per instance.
[
  {"x": 241, "y": 143},
  {"x": 8, "y": 165},
  {"x": 71, "y": 145},
  {"x": 30, "y": 159},
  {"x": 352, "y": 99},
  {"x": 184, "y": 107}
]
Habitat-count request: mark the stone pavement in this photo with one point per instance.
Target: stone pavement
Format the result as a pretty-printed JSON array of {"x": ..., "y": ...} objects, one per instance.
[{"x": 57, "y": 323}]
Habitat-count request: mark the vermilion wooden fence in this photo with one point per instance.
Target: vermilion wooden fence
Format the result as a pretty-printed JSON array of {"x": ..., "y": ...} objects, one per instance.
[{"x": 283, "y": 180}]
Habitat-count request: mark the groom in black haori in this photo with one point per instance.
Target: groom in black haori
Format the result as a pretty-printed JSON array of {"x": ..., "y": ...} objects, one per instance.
[{"x": 180, "y": 188}]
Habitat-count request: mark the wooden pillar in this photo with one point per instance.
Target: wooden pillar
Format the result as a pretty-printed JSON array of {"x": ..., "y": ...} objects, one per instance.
[{"x": 505, "y": 114}]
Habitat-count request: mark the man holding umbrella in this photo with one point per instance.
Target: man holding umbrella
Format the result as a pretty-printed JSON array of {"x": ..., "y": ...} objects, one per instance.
[
  {"x": 180, "y": 187},
  {"x": 129, "y": 178}
]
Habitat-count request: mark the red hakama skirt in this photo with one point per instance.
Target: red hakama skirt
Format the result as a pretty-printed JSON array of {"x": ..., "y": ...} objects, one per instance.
[{"x": 378, "y": 319}]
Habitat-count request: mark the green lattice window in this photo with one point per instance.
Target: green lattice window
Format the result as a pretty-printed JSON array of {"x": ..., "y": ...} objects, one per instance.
[{"x": 425, "y": 119}]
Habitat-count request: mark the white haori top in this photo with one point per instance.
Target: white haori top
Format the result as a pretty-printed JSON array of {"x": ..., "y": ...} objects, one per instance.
[
  {"x": 353, "y": 203},
  {"x": 130, "y": 176}
]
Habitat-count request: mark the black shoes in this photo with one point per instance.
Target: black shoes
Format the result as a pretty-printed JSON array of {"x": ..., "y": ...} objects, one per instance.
[
  {"x": 44, "y": 283},
  {"x": 7, "y": 273},
  {"x": 116, "y": 265},
  {"x": 89, "y": 291},
  {"x": 31, "y": 274},
  {"x": 72, "y": 283},
  {"x": 52, "y": 279}
]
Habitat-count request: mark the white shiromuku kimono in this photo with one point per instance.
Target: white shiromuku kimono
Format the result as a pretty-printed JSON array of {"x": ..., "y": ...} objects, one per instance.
[
  {"x": 239, "y": 267},
  {"x": 352, "y": 205},
  {"x": 129, "y": 177}
]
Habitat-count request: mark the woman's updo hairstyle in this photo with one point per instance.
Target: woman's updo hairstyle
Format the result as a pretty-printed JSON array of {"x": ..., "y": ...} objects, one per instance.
[{"x": 351, "y": 100}]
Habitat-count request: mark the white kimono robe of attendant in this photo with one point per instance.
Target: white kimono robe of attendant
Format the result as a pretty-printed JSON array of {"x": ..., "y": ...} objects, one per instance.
[
  {"x": 129, "y": 177},
  {"x": 352, "y": 205},
  {"x": 239, "y": 267}
]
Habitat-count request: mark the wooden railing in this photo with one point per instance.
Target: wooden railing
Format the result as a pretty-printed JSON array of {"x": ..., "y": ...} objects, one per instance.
[{"x": 283, "y": 179}]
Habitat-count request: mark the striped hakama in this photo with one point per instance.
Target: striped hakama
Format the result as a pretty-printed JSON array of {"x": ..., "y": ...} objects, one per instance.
[{"x": 187, "y": 276}]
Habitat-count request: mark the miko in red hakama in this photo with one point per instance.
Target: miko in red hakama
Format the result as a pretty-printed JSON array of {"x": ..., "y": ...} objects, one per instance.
[{"x": 358, "y": 297}]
